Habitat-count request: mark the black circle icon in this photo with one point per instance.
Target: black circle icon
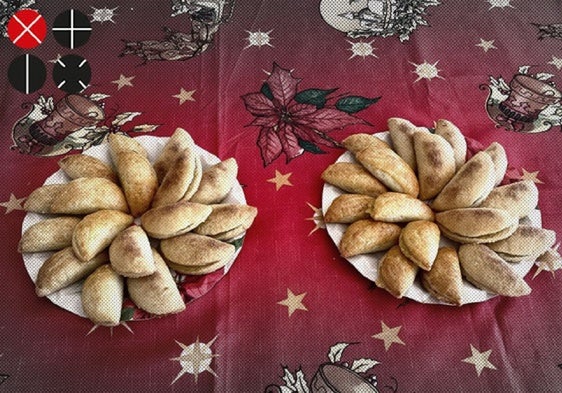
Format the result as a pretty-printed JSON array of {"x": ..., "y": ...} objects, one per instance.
[
  {"x": 27, "y": 73},
  {"x": 72, "y": 28},
  {"x": 72, "y": 73}
]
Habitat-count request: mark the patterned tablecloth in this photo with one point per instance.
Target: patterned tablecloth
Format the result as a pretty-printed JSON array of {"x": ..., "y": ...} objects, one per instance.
[{"x": 291, "y": 312}]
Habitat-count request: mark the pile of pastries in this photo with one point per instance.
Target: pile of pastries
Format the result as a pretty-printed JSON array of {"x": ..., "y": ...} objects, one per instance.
[
  {"x": 121, "y": 227},
  {"x": 402, "y": 199}
]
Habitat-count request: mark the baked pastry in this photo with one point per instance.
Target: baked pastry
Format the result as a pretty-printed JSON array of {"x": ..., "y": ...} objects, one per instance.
[
  {"x": 527, "y": 242},
  {"x": 358, "y": 142},
  {"x": 88, "y": 194},
  {"x": 48, "y": 235},
  {"x": 348, "y": 208},
  {"x": 173, "y": 220},
  {"x": 40, "y": 200},
  {"x": 119, "y": 143},
  {"x": 83, "y": 165},
  {"x": 499, "y": 158},
  {"x": 130, "y": 253},
  {"x": 486, "y": 270},
  {"x": 138, "y": 180},
  {"x": 227, "y": 221},
  {"x": 444, "y": 280},
  {"x": 368, "y": 236},
  {"x": 476, "y": 225},
  {"x": 402, "y": 135},
  {"x": 178, "y": 142},
  {"x": 102, "y": 296},
  {"x": 397, "y": 207},
  {"x": 419, "y": 242},
  {"x": 454, "y": 136},
  {"x": 353, "y": 178},
  {"x": 518, "y": 199},
  {"x": 435, "y": 160},
  {"x": 193, "y": 250},
  {"x": 216, "y": 182},
  {"x": 96, "y": 231},
  {"x": 387, "y": 166},
  {"x": 396, "y": 273},
  {"x": 469, "y": 186},
  {"x": 157, "y": 293},
  {"x": 63, "y": 268}
]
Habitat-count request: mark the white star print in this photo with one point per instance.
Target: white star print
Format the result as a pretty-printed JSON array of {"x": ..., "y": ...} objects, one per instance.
[
  {"x": 426, "y": 70},
  {"x": 486, "y": 45},
  {"x": 556, "y": 62}
]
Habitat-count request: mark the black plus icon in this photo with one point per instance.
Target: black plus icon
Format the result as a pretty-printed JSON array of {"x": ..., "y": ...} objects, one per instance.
[
  {"x": 72, "y": 28},
  {"x": 72, "y": 73}
]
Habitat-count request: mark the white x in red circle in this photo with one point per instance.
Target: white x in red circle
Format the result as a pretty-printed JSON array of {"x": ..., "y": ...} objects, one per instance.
[{"x": 27, "y": 28}]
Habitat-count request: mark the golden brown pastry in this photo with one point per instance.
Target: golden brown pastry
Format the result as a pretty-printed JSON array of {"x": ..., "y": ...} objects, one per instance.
[
  {"x": 470, "y": 185},
  {"x": 397, "y": 207},
  {"x": 357, "y": 142},
  {"x": 456, "y": 139},
  {"x": 348, "y": 208},
  {"x": 40, "y": 200},
  {"x": 83, "y": 165},
  {"x": 527, "y": 242},
  {"x": 178, "y": 142},
  {"x": 88, "y": 194},
  {"x": 435, "y": 160},
  {"x": 227, "y": 221},
  {"x": 157, "y": 293},
  {"x": 191, "y": 249},
  {"x": 63, "y": 268},
  {"x": 486, "y": 270},
  {"x": 396, "y": 272},
  {"x": 96, "y": 231},
  {"x": 102, "y": 296},
  {"x": 130, "y": 253},
  {"x": 216, "y": 182},
  {"x": 419, "y": 242},
  {"x": 138, "y": 180},
  {"x": 353, "y": 178},
  {"x": 119, "y": 143},
  {"x": 499, "y": 158},
  {"x": 198, "y": 270},
  {"x": 48, "y": 235},
  {"x": 195, "y": 182},
  {"x": 444, "y": 280},
  {"x": 173, "y": 220},
  {"x": 368, "y": 236},
  {"x": 402, "y": 133},
  {"x": 519, "y": 199}
]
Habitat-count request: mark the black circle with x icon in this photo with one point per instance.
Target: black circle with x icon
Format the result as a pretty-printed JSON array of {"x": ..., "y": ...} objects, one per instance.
[{"x": 72, "y": 73}]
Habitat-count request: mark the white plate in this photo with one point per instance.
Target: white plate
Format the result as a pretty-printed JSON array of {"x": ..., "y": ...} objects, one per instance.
[
  {"x": 69, "y": 298},
  {"x": 368, "y": 264}
]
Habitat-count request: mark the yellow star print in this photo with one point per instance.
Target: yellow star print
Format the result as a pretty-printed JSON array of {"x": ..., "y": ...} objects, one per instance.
[
  {"x": 123, "y": 81},
  {"x": 479, "y": 360},
  {"x": 13, "y": 204},
  {"x": 531, "y": 176},
  {"x": 184, "y": 95},
  {"x": 389, "y": 335},
  {"x": 280, "y": 180},
  {"x": 293, "y": 302}
]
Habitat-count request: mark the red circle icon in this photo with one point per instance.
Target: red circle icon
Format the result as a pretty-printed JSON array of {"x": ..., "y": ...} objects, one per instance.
[{"x": 27, "y": 28}]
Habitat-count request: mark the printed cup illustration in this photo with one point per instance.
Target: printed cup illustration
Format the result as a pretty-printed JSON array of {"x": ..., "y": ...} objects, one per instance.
[{"x": 333, "y": 378}]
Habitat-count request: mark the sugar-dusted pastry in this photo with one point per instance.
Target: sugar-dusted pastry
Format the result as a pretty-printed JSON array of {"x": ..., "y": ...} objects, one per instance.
[
  {"x": 177, "y": 180},
  {"x": 40, "y": 200},
  {"x": 88, "y": 194},
  {"x": 119, "y": 143},
  {"x": 353, "y": 178},
  {"x": 486, "y": 270},
  {"x": 96, "y": 231},
  {"x": 138, "y": 179},
  {"x": 444, "y": 280},
  {"x": 368, "y": 236},
  {"x": 102, "y": 296},
  {"x": 83, "y": 165},
  {"x": 476, "y": 225},
  {"x": 396, "y": 272},
  {"x": 48, "y": 235},
  {"x": 419, "y": 242},
  {"x": 527, "y": 242},
  {"x": 63, "y": 268},
  {"x": 227, "y": 221},
  {"x": 175, "y": 219},
  {"x": 157, "y": 293},
  {"x": 130, "y": 253},
  {"x": 178, "y": 142},
  {"x": 191, "y": 249},
  {"x": 348, "y": 208},
  {"x": 435, "y": 160},
  {"x": 519, "y": 199},
  {"x": 471, "y": 184},
  {"x": 401, "y": 133},
  {"x": 383, "y": 163},
  {"x": 398, "y": 207},
  {"x": 357, "y": 142},
  {"x": 216, "y": 182},
  {"x": 499, "y": 158},
  {"x": 456, "y": 139}
]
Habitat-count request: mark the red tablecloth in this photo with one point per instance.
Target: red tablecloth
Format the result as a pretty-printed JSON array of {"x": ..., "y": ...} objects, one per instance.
[{"x": 290, "y": 303}]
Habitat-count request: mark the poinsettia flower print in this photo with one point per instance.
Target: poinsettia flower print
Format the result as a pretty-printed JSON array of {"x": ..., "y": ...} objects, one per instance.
[{"x": 292, "y": 121}]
